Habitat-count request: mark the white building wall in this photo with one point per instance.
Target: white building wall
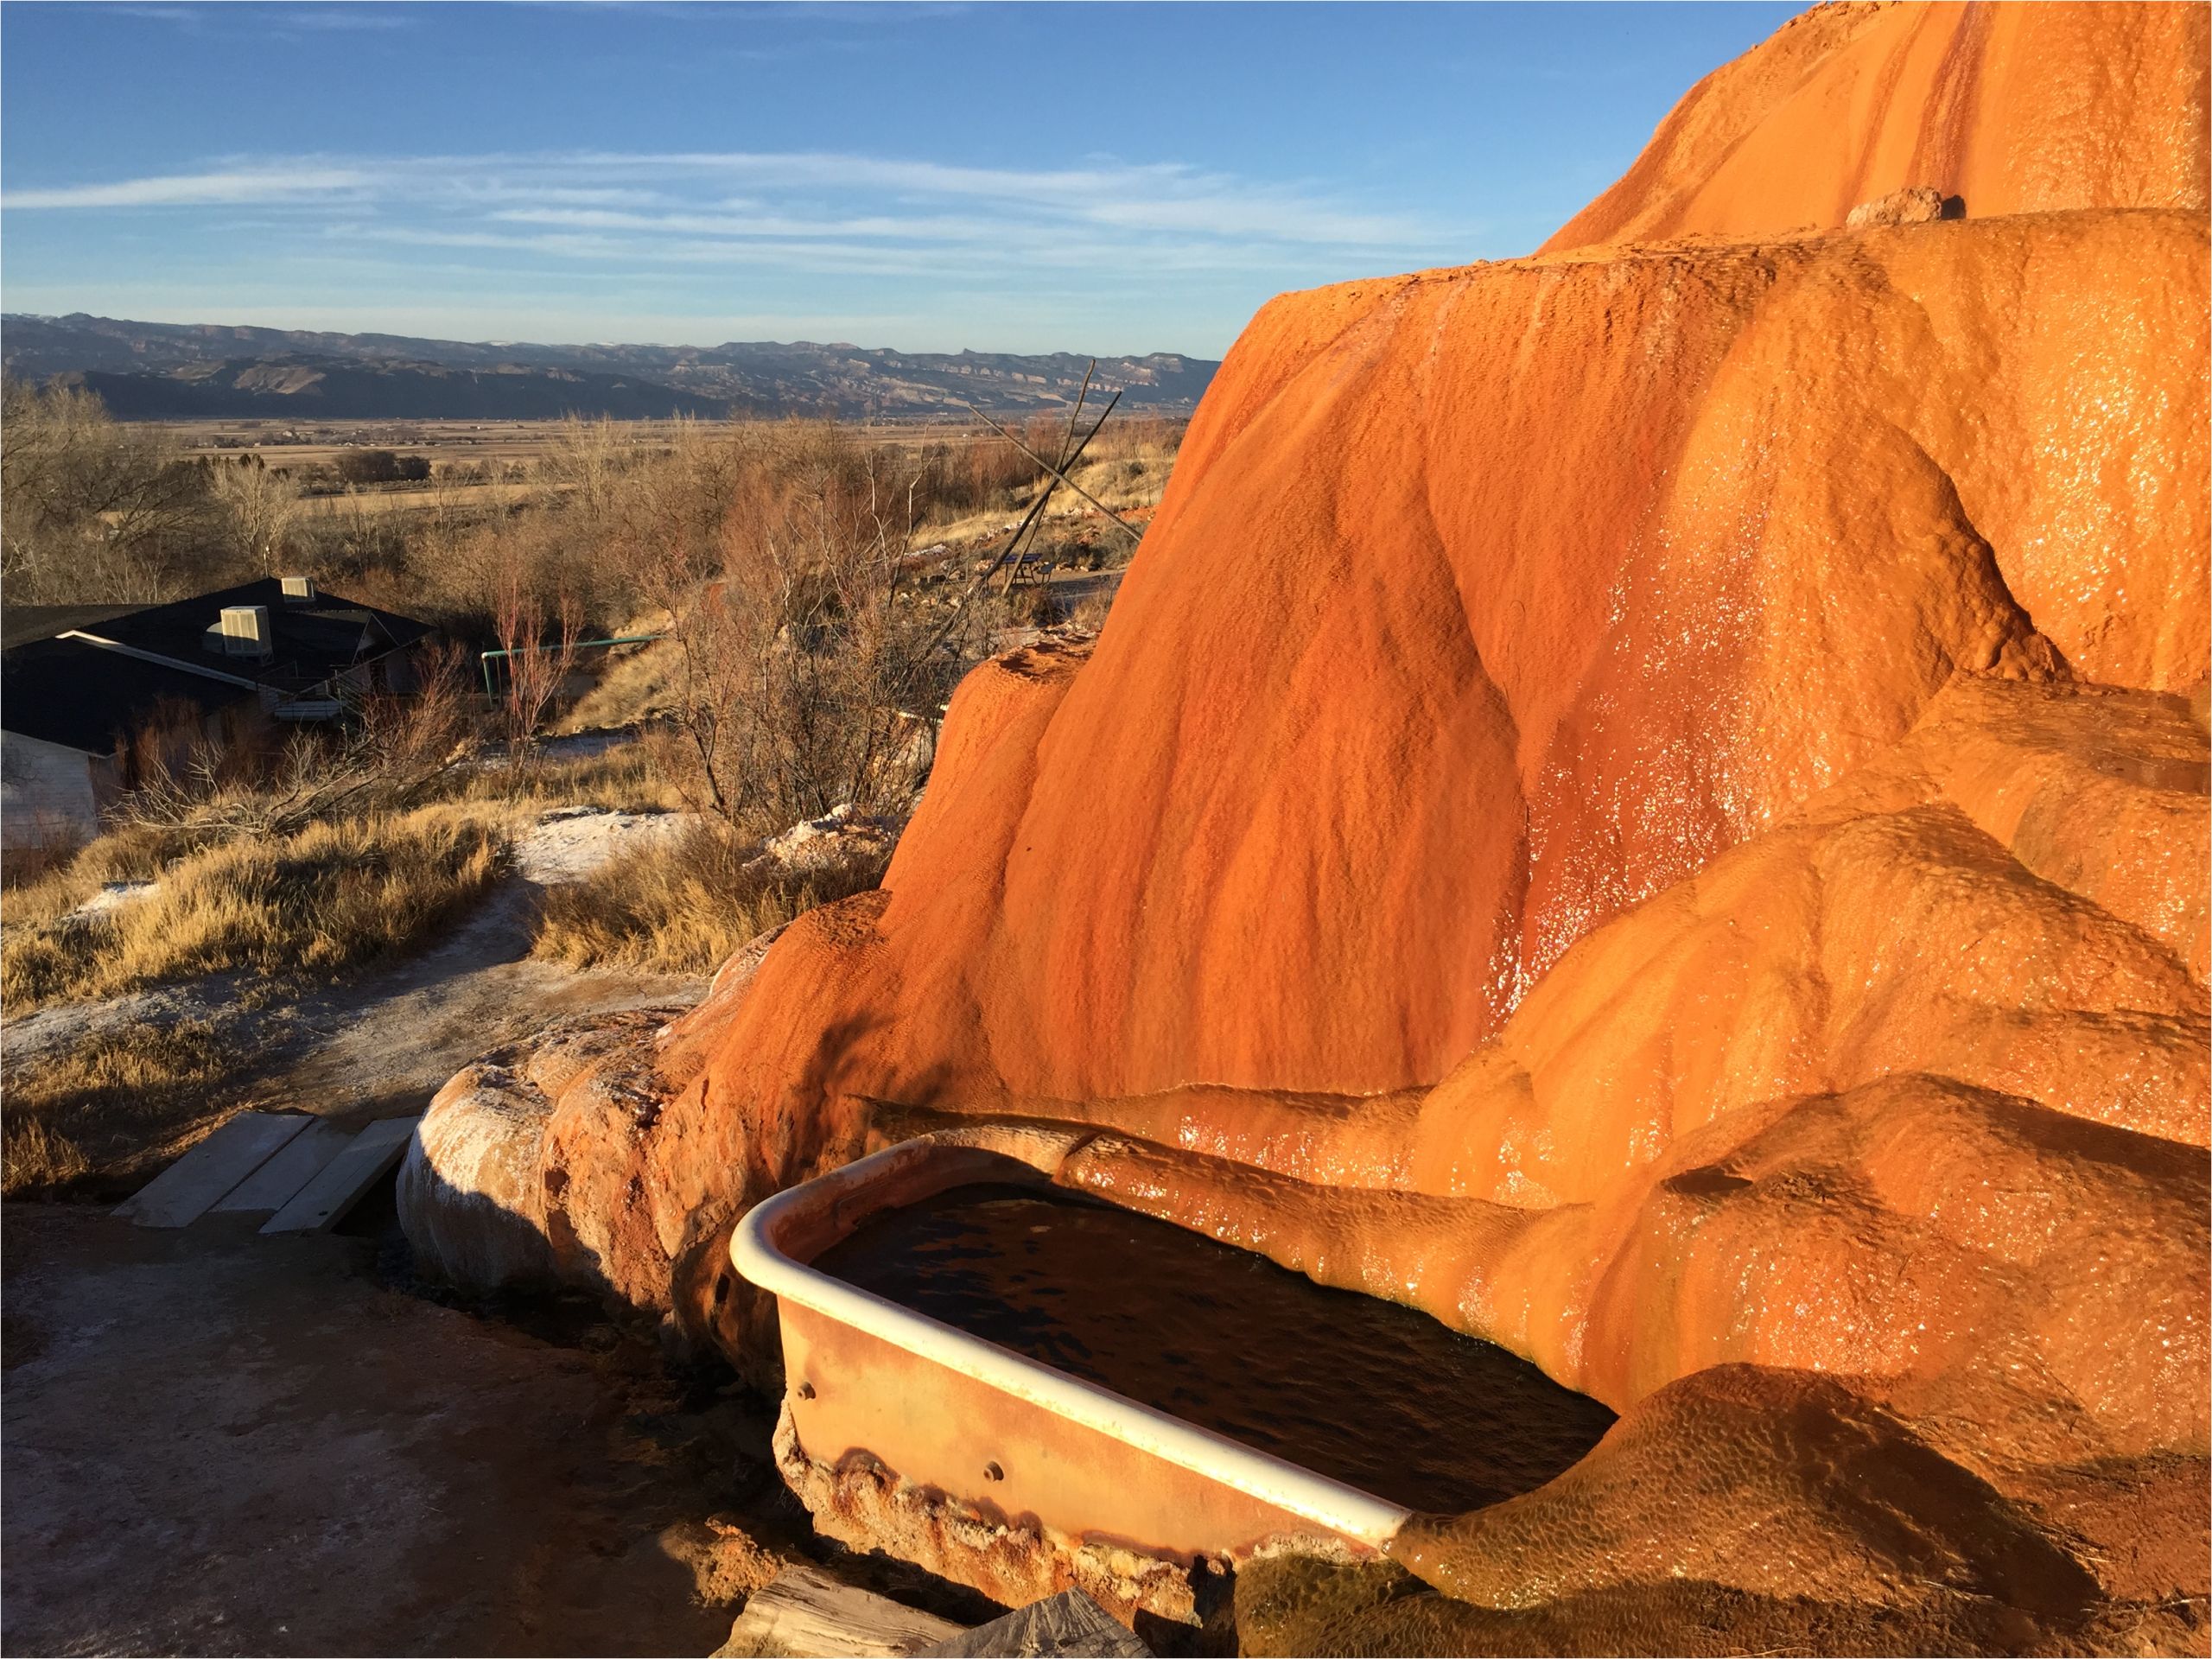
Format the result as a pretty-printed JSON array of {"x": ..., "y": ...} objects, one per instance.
[{"x": 46, "y": 793}]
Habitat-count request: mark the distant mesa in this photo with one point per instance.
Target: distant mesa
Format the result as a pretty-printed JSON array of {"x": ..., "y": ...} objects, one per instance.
[{"x": 173, "y": 371}]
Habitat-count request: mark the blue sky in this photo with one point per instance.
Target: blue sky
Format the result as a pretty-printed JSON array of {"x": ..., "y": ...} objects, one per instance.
[{"x": 1100, "y": 178}]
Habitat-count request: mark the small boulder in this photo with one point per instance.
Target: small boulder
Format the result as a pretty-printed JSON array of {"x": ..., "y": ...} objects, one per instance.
[{"x": 1917, "y": 203}]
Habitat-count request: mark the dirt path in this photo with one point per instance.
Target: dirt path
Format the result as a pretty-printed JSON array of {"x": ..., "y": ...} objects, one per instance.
[
  {"x": 389, "y": 1044},
  {"x": 216, "y": 1442},
  {"x": 383, "y": 1045}
]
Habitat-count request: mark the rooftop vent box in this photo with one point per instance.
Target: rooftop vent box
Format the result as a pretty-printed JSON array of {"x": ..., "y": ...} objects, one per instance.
[
  {"x": 246, "y": 631},
  {"x": 299, "y": 590}
]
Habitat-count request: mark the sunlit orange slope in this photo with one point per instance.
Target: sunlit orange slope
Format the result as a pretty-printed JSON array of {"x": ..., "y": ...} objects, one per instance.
[
  {"x": 1487, "y": 603},
  {"x": 2011, "y": 108}
]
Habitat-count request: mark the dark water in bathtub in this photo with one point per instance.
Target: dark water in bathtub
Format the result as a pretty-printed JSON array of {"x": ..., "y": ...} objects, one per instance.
[{"x": 1363, "y": 1391}]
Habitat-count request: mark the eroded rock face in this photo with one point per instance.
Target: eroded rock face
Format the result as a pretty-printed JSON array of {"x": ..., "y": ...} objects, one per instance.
[
  {"x": 1776, "y": 1483},
  {"x": 523, "y": 1170},
  {"x": 1649, "y": 801},
  {"x": 1369, "y": 648}
]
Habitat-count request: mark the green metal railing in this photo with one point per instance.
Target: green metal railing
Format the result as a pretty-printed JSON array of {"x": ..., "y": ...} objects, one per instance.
[{"x": 484, "y": 657}]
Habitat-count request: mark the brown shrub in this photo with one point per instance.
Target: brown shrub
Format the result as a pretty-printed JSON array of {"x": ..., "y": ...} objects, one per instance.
[{"x": 808, "y": 650}]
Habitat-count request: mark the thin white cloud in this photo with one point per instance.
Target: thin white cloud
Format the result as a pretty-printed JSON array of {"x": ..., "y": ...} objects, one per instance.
[
  {"x": 1099, "y": 239},
  {"x": 332, "y": 16},
  {"x": 491, "y": 190},
  {"x": 338, "y": 16},
  {"x": 934, "y": 227},
  {"x": 829, "y": 257},
  {"x": 200, "y": 189},
  {"x": 797, "y": 194}
]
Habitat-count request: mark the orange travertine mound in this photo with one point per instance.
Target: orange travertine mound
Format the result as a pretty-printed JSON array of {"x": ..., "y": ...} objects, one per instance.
[
  {"x": 2011, "y": 108},
  {"x": 1867, "y": 1096},
  {"x": 1649, "y": 801},
  {"x": 1526, "y": 592}
]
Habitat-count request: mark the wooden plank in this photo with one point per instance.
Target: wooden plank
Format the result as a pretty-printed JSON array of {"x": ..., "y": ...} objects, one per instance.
[
  {"x": 805, "y": 1611},
  {"x": 278, "y": 1181},
  {"x": 181, "y": 1193},
  {"x": 319, "y": 1205},
  {"x": 1067, "y": 1623}
]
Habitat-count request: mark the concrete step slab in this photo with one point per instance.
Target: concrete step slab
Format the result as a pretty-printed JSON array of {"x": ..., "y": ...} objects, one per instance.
[
  {"x": 277, "y": 1182},
  {"x": 323, "y": 1202},
  {"x": 185, "y": 1190}
]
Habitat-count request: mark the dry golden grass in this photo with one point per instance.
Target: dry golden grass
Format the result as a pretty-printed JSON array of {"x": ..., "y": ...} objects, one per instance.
[
  {"x": 131, "y": 854},
  {"x": 1127, "y": 477},
  {"x": 35, "y": 1158},
  {"x": 682, "y": 905},
  {"x": 1130, "y": 483},
  {"x": 625, "y": 778},
  {"x": 426, "y": 499},
  {"x": 335, "y": 896},
  {"x": 92, "y": 1115},
  {"x": 635, "y": 683}
]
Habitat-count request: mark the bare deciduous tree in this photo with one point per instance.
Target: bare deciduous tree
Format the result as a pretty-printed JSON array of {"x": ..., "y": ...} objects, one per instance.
[
  {"x": 263, "y": 507},
  {"x": 813, "y": 665},
  {"x": 540, "y": 651},
  {"x": 586, "y": 459},
  {"x": 95, "y": 510}
]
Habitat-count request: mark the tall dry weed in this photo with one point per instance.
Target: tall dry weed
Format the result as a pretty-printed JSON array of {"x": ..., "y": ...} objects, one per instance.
[
  {"x": 97, "y": 1113},
  {"x": 332, "y": 896},
  {"x": 684, "y": 905}
]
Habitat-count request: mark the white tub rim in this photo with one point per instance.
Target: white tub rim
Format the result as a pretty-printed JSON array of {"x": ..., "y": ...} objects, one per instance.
[{"x": 1339, "y": 1508}]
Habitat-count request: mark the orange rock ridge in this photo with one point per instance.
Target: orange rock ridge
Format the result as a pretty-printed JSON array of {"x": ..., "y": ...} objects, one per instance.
[
  {"x": 2011, "y": 108},
  {"x": 1650, "y": 801}
]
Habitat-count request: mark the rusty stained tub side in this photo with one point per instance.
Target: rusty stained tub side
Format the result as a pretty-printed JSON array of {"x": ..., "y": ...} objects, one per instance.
[{"x": 995, "y": 1429}]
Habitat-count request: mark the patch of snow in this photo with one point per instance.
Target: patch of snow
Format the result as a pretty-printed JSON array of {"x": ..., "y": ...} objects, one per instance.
[
  {"x": 114, "y": 893},
  {"x": 570, "y": 843},
  {"x": 837, "y": 837}
]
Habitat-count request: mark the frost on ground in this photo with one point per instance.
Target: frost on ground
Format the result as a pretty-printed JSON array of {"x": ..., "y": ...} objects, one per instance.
[
  {"x": 839, "y": 837},
  {"x": 570, "y": 843},
  {"x": 60, "y": 1027},
  {"x": 113, "y": 894}
]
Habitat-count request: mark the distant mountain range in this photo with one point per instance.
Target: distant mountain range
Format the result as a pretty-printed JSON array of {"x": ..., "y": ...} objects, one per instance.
[{"x": 171, "y": 372}]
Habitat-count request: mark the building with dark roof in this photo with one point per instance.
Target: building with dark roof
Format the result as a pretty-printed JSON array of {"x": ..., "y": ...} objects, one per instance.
[
  {"x": 83, "y": 689},
  {"x": 21, "y": 624}
]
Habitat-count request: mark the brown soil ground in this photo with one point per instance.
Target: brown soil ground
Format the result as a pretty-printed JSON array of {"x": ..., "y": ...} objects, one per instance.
[
  {"x": 217, "y": 1443},
  {"x": 220, "y": 1443}
]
